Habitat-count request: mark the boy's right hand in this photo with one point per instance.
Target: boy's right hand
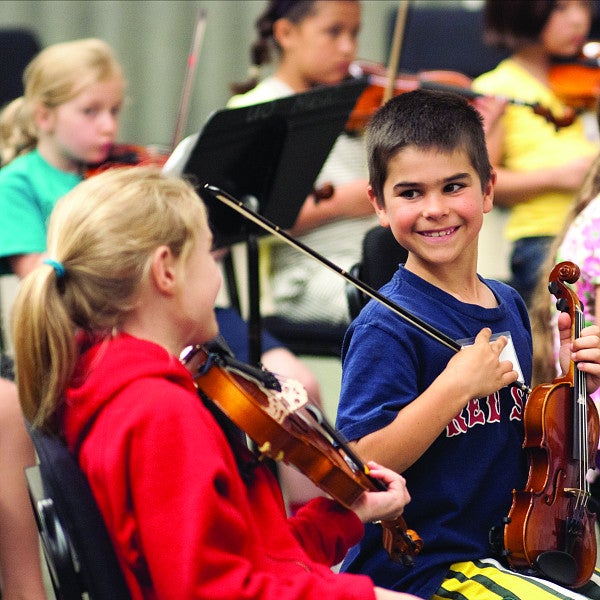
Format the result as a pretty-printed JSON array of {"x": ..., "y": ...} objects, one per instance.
[{"x": 478, "y": 370}]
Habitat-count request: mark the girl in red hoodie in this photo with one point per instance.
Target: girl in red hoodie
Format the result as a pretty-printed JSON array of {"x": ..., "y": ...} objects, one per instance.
[{"x": 98, "y": 331}]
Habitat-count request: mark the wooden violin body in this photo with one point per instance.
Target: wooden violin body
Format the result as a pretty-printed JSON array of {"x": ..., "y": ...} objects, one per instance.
[
  {"x": 576, "y": 80},
  {"x": 129, "y": 155},
  {"x": 549, "y": 527},
  {"x": 285, "y": 427},
  {"x": 577, "y": 84}
]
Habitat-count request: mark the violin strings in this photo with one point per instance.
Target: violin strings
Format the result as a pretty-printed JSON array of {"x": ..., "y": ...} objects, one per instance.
[{"x": 580, "y": 427}]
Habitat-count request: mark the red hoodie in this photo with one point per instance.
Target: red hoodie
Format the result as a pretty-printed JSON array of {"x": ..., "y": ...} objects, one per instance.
[{"x": 183, "y": 522}]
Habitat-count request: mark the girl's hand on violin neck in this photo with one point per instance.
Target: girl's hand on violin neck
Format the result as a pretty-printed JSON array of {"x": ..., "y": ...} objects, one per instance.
[
  {"x": 585, "y": 350},
  {"x": 477, "y": 371},
  {"x": 387, "y": 505}
]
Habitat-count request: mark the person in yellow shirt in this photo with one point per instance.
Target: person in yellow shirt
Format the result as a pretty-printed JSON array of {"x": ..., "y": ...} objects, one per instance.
[{"x": 539, "y": 166}]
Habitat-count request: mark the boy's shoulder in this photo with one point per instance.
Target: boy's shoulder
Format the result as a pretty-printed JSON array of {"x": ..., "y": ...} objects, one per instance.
[{"x": 415, "y": 296}]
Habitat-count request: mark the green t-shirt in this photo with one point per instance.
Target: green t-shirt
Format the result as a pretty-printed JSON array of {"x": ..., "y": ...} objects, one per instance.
[{"x": 29, "y": 190}]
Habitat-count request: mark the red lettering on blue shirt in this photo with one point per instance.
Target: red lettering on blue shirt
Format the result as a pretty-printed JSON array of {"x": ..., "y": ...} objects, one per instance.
[{"x": 480, "y": 411}]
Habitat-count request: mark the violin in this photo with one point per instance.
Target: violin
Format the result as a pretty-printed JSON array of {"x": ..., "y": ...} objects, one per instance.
[
  {"x": 449, "y": 81},
  {"x": 576, "y": 83},
  {"x": 576, "y": 80},
  {"x": 549, "y": 527},
  {"x": 276, "y": 415},
  {"x": 129, "y": 155}
]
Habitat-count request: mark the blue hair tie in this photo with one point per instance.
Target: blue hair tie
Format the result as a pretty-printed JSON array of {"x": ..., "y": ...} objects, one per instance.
[{"x": 57, "y": 266}]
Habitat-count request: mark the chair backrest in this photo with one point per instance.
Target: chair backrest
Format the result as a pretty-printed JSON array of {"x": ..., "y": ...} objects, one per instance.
[
  {"x": 449, "y": 37},
  {"x": 80, "y": 556},
  {"x": 381, "y": 255},
  {"x": 17, "y": 47}
]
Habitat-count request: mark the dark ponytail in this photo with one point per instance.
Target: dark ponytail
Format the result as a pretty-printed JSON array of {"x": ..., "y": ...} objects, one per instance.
[{"x": 260, "y": 51}]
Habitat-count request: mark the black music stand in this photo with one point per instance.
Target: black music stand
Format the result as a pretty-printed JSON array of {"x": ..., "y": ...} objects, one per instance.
[{"x": 269, "y": 156}]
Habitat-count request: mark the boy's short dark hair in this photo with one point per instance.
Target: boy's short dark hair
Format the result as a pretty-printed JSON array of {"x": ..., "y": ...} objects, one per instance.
[{"x": 428, "y": 120}]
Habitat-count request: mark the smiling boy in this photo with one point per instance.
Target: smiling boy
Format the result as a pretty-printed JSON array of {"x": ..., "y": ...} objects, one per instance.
[{"x": 449, "y": 422}]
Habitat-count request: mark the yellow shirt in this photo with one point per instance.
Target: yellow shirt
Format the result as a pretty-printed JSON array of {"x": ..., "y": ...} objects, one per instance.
[{"x": 531, "y": 143}]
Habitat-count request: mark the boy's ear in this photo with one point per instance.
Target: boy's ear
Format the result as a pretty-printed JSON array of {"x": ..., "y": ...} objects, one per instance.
[
  {"x": 378, "y": 207},
  {"x": 488, "y": 193},
  {"x": 163, "y": 270}
]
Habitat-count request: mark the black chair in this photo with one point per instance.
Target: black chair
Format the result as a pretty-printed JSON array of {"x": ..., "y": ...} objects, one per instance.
[
  {"x": 17, "y": 47},
  {"x": 440, "y": 36},
  {"x": 381, "y": 255},
  {"x": 80, "y": 556},
  {"x": 307, "y": 339}
]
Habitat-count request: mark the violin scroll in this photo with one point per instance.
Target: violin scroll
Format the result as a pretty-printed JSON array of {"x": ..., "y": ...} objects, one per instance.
[
  {"x": 564, "y": 272},
  {"x": 323, "y": 192},
  {"x": 400, "y": 542}
]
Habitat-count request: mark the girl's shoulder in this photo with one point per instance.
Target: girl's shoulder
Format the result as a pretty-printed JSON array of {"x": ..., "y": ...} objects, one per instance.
[
  {"x": 508, "y": 75},
  {"x": 21, "y": 162},
  {"x": 268, "y": 89}
]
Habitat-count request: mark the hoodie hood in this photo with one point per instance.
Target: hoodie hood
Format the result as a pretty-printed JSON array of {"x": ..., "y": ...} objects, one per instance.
[{"x": 108, "y": 366}]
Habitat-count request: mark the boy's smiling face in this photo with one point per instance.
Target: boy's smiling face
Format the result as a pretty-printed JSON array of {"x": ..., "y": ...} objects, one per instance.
[{"x": 434, "y": 205}]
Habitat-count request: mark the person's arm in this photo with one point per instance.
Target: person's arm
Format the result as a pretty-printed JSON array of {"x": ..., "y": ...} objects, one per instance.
[
  {"x": 22, "y": 264},
  {"x": 513, "y": 187},
  {"x": 349, "y": 200},
  {"x": 203, "y": 530},
  {"x": 20, "y": 564},
  {"x": 473, "y": 372}
]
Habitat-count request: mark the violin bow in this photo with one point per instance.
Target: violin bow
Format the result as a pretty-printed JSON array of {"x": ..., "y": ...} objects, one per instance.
[
  {"x": 394, "y": 59},
  {"x": 267, "y": 225},
  {"x": 192, "y": 61}
]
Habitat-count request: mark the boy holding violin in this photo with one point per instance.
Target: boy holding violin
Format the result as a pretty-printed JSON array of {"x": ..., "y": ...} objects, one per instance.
[{"x": 451, "y": 423}]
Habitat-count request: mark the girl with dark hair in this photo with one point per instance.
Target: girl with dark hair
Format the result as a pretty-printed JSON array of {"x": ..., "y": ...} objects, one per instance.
[
  {"x": 539, "y": 167},
  {"x": 314, "y": 43}
]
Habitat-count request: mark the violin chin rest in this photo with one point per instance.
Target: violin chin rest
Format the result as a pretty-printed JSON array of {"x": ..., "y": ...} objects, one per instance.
[{"x": 557, "y": 566}]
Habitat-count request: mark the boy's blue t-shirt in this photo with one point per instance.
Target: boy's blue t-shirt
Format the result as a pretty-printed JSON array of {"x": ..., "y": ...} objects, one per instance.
[
  {"x": 29, "y": 190},
  {"x": 461, "y": 487}
]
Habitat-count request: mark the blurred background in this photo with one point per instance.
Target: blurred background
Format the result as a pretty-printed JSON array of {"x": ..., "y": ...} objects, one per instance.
[{"x": 153, "y": 40}]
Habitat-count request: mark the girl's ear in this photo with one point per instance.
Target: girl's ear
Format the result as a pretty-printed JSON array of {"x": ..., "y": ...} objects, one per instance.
[
  {"x": 282, "y": 32},
  {"x": 163, "y": 270},
  {"x": 44, "y": 117},
  {"x": 378, "y": 207}
]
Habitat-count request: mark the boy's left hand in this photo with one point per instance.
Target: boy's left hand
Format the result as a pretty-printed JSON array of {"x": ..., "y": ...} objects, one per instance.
[{"x": 585, "y": 351}]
